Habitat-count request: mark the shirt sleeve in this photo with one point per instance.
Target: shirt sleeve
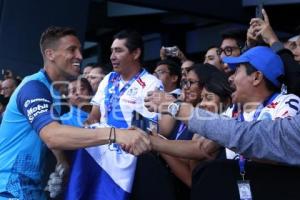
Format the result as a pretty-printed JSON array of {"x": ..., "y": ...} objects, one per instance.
[
  {"x": 276, "y": 140},
  {"x": 289, "y": 107},
  {"x": 34, "y": 101}
]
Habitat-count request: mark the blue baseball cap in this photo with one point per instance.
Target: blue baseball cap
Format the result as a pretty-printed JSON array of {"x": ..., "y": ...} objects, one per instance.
[{"x": 263, "y": 59}]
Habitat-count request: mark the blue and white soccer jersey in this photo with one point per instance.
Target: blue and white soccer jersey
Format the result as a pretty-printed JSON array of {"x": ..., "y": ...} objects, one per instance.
[
  {"x": 282, "y": 106},
  {"x": 22, "y": 151},
  {"x": 108, "y": 164},
  {"x": 131, "y": 100}
]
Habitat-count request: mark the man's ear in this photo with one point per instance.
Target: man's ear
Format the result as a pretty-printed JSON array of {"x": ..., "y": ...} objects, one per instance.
[
  {"x": 49, "y": 53},
  {"x": 257, "y": 78},
  {"x": 137, "y": 53}
]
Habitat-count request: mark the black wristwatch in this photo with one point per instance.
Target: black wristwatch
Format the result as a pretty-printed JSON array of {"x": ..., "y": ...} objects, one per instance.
[{"x": 174, "y": 107}]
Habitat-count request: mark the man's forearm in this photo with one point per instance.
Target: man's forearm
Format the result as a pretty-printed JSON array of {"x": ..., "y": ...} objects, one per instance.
[
  {"x": 277, "y": 140},
  {"x": 58, "y": 136}
]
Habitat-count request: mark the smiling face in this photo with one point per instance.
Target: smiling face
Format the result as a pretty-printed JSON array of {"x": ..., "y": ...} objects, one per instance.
[
  {"x": 210, "y": 101},
  {"x": 66, "y": 57},
  {"x": 192, "y": 89},
  {"x": 121, "y": 58}
]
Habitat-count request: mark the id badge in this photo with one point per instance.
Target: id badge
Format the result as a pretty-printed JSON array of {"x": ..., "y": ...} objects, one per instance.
[{"x": 244, "y": 190}]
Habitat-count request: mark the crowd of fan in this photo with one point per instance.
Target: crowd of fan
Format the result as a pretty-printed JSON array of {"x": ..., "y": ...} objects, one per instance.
[{"x": 213, "y": 85}]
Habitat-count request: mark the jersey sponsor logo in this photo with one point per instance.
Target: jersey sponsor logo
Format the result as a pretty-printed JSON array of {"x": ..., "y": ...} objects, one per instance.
[
  {"x": 28, "y": 102},
  {"x": 37, "y": 110}
]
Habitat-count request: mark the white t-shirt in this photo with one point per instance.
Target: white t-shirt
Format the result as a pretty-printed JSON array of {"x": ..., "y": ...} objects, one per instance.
[
  {"x": 284, "y": 105},
  {"x": 131, "y": 100}
]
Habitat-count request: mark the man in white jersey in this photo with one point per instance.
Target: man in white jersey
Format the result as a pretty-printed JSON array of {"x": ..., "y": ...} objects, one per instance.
[
  {"x": 257, "y": 88},
  {"x": 121, "y": 92}
]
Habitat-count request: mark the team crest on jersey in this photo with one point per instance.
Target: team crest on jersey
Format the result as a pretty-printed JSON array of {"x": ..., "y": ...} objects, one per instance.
[{"x": 132, "y": 92}]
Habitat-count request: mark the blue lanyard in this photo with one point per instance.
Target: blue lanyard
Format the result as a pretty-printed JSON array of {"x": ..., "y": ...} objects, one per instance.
[
  {"x": 259, "y": 108},
  {"x": 242, "y": 160},
  {"x": 116, "y": 93},
  {"x": 181, "y": 129},
  {"x": 242, "y": 163}
]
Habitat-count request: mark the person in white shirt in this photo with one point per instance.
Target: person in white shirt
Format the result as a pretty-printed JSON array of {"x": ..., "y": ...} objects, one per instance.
[{"x": 122, "y": 92}]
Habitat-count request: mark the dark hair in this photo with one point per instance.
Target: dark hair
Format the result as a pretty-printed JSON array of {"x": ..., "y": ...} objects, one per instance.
[
  {"x": 269, "y": 85},
  {"x": 203, "y": 72},
  {"x": 15, "y": 81},
  {"x": 87, "y": 85},
  {"x": 218, "y": 83},
  {"x": 52, "y": 34},
  {"x": 92, "y": 64},
  {"x": 238, "y": 34},
  {"x": 213, "y": 80},
  {"x": 212, "y": 47},
  {"x": 173, "y": 67},
  {"x": 133, "y": 40}
]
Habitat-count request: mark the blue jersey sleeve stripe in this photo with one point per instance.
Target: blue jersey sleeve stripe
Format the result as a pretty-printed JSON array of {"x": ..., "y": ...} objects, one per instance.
[
  {"x": 44, "y": 119},
  {"x": 34, "y": 101}
]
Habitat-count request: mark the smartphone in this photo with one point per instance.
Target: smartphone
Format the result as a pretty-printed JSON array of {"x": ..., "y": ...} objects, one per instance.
[
  {"x": 152, "y": 126},
  {"x": 258, "y": 11},
  {"x": 146, "y": 124},
  {"x": 171, "y": 51}
]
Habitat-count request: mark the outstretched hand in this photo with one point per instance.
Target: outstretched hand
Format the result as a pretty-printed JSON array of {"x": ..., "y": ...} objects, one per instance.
[
  {"x": 261, "y": 29},
  {"x": 158, "y": 101}
]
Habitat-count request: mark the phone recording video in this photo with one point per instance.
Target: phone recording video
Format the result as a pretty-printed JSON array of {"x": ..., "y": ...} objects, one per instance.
[
  {"x": 258, "y": 11},
  {"x": 171, "y": 51}
]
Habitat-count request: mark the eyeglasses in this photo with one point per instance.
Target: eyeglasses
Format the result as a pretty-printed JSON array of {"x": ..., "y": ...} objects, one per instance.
[
  {"x": 227, "y": 50},
  {"x": 160, "y": 72},
  {"x": 187, "y": 83}
]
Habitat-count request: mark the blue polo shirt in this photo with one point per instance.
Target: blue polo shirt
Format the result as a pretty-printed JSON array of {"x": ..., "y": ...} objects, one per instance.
[
  {"x": 33, "y": 105},
  {"x": 76, "y": 117}
]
